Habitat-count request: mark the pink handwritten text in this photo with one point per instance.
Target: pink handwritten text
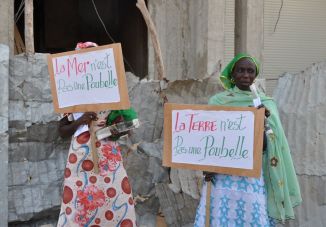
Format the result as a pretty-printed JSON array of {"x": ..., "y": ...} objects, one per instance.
[
  {"x": 71, "y": 65},
  {"x": 192, "y": 124}
]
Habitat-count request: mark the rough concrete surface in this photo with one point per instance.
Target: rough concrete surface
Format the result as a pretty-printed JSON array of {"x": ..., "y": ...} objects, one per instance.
[
  {"x": 4, "y": 136},
  {"x": 7, "y": 23},
  {"x": 36, "y": 154},
  {"x": 191, "y": 35},
  {"x": 301, "y": 101}
]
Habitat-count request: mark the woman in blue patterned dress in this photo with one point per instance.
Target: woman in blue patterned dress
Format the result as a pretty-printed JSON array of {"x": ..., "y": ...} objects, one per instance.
[{"x": 246, "y": 201}]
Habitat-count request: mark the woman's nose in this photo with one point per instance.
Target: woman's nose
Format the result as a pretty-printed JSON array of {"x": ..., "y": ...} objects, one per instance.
[{"x": 246, "y": 74}]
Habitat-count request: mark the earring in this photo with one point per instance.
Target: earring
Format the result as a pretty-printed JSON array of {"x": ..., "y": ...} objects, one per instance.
[{"x": 232, "y": 80}]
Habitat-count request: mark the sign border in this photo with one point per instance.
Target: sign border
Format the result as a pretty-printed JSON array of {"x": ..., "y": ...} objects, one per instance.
[
  {"x": 259, "y": 115},
  {"x": 122, "y": 83}
]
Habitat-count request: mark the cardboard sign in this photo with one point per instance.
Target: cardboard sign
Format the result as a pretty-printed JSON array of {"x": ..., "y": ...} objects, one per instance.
[
  {"x": 90, "y": 79},
  {"x": 218, "y": 139}
]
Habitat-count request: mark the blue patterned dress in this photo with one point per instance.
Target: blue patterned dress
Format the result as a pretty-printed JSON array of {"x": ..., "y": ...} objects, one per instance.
[{"x": 235, "y": 202}]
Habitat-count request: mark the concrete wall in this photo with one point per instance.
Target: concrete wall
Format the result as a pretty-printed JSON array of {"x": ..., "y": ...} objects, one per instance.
[
  {"x": 7, "y": 23},
  {"x": 36, "y": 154},
  {"x": 6, "y": 48},
  {"x": 249, "y": 27},
  {"x": 4, "y": 136},
  {"x": 301, "y": 101},
  {"x": 191, "y": 35}
]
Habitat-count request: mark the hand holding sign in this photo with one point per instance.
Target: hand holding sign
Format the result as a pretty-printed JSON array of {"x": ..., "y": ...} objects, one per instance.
[
  {"x": 88, "y": 80},
  {"x": 87, "y": 118}
]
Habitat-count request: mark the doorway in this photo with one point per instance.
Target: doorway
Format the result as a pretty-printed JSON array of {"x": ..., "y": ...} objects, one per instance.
[{"x": 59, "y": 25}]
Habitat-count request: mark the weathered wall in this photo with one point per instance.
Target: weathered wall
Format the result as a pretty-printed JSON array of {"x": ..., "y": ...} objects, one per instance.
[
  {"x": 191, "y": 35},
  {"x": 7, "y": 23},
  {"x": 6, "y": 48},
  {"x": 301, "y": 101},
  {"x": 4, "y": 136},
  {"x": 249, "y": 27},
  {"x": 37, "y": 155}
]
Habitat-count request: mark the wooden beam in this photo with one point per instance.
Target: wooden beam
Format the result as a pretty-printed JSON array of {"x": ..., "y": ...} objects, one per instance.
[
  {"x": 19, "y": 43},
  {"x": 141, "y": 5}
]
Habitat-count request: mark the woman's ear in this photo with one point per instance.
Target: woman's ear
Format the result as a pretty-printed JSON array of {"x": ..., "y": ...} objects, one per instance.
[{"x": 232, "y": 75}]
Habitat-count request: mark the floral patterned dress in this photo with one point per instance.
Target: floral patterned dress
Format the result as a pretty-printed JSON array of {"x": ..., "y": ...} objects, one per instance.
[{"x": 96, "y": 199}]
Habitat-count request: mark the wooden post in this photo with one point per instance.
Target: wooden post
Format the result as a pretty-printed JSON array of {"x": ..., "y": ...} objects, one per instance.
[
  {"x": 208, "y": 203},
  {"x": 19, "y": 43},
  {"x": 93, "y": 147},
  {"x": 141, "y": 5},
  {"x": 29, "y": 28}
]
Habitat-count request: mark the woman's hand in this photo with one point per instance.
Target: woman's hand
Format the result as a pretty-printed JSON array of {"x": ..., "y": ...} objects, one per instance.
[
  {"x": 68, "y": 128},
  {"x": 87, "y": 118},
  {"x": 209, "y": 176},
  {"x": 267, "y": 112}
]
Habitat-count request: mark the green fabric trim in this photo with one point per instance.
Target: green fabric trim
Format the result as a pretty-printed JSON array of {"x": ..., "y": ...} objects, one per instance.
[
  {"x": 226, "y": 74},
  {"x": 128, "y": 115},
  {"x": 283, "y": 191}
]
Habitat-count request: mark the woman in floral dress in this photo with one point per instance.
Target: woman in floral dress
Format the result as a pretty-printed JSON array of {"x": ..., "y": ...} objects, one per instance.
[{"x": 90, "y": 198}]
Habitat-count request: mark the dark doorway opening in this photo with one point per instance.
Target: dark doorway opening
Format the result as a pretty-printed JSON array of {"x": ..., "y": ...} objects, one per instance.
[{"x": 60, "y": 24}]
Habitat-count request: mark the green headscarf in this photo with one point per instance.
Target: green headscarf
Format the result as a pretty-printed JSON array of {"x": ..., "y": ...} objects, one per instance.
[
  {"x": 128, "y": 115},
  {"x": 226, "y": 74}
]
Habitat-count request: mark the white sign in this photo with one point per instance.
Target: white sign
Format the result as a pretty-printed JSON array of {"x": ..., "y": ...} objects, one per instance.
[
  {"x": 214, "y": 138},
  {"x": 91, "y": 79},
  {"x": 86, "y": 78}
]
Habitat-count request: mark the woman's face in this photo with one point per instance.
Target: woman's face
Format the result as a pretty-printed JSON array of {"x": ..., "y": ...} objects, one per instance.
[{"x": 244, "y": 73}]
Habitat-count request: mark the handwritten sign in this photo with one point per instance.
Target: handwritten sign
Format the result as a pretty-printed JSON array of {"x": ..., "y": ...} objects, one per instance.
[
  {"x": 214, "y": 138},
  {"x": 88, "y": 80}
]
